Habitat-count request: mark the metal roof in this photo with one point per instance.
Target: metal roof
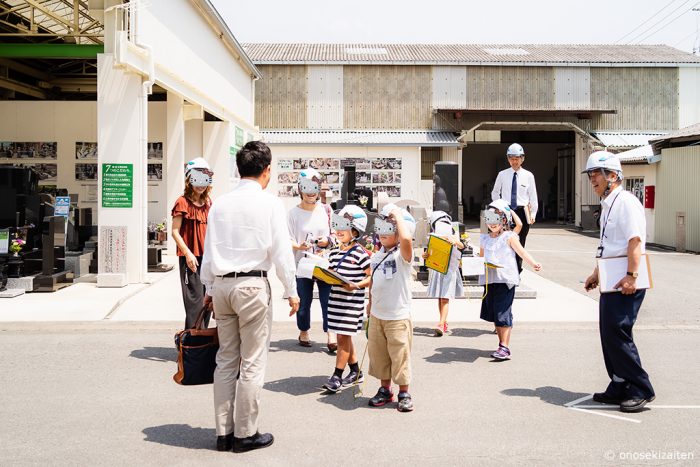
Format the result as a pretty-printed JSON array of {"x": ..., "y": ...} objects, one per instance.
[
  {"x": 686, "y": 132},
  {"x": 642, "y": 154},
  {"x": 625, "y": 139},
  {"x": 470, "y": 54},
  {"x": 363, "y": 138}
]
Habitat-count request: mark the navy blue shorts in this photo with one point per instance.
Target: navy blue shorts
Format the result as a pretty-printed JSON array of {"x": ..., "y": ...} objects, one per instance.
[{"x": 497, "y": 306}]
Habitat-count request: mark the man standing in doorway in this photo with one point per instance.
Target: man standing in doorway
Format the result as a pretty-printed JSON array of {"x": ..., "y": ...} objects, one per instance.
[
  {"x": 516, "y": 186},
  {"x": 247, "y": 232},
  {"x": 622, "y": 233}
]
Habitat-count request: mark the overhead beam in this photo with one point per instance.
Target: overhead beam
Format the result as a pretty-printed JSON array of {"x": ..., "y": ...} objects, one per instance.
[
  {"x": 25, "y": 70},
  {"x": 22, "y": 88},
  {"x": 50, "y": 50}
]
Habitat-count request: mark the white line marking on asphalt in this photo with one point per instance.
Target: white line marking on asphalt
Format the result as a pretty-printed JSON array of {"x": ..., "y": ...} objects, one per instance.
[
  {"x": 580, "y": 399},
  {"x": 614, "y": 407},
  {"x": 617, "y": 417}
]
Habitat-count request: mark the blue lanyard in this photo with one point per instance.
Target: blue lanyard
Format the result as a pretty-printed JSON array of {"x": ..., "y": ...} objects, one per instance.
[{"x": 337, "y": 266}]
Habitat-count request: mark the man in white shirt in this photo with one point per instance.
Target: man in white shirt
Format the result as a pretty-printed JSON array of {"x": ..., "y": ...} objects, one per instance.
[
  {"x": 516, "y": 186},
  {"x": 246, "y": 234},
  {"x": 622, "y": 233}
]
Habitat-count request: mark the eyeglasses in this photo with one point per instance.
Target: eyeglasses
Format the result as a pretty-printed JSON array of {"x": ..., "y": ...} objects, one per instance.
[{"x": 594, "y": 173}]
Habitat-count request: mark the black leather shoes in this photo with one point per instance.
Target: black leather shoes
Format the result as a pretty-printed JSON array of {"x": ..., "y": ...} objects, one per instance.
[
  {"x": 224, "y": 443},
  {"x": 257, "y": 441},
  {"x": 605, "y": 398},
  {"x": 634, "y": 405}
]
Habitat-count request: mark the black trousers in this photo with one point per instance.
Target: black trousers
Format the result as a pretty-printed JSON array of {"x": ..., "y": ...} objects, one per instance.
[
  {"x": 192, "y": 292},
  {"x": 618, "y": 314},
  {"x": 520, "y": 211}
]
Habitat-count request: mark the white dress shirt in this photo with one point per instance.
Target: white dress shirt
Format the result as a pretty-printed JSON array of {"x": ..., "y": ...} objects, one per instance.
[
  {"x": 527, "y": 191},
  {"x": 246, "y": 231},
  {"x": 621, "y": 219}
]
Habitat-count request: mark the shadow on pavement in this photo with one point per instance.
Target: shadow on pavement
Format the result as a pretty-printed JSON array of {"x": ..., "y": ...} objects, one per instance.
[
  {"x": 465, "y": 332},
  {"x": 297, "y": 385},
  {"x": 156, "y": 354},
  {"x": 292, "y": 345},
  {"x": 345, "y": 400},
  {"x": 549, "y": 394},
  {"x": 181, "y": 436},
  {"x": 457, "y": 354}
]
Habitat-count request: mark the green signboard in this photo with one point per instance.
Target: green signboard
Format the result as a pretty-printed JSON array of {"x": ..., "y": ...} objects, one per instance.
[
  {"x": 117, "y": 185},
  {"x": 240, "y": 141}
]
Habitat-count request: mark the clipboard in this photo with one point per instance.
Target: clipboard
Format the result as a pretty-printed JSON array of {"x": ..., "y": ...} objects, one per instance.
[
  {"x": 330, "y": 277},
  {"x": 439, "y": 254},
  {"x": 611, "y": 270}
]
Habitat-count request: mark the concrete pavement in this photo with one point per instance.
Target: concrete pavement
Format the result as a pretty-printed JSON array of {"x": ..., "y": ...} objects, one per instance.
[{"x": 101, "y": 394}]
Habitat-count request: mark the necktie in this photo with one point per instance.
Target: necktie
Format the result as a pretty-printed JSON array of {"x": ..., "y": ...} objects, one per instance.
[{"x": 514, "y": 191}]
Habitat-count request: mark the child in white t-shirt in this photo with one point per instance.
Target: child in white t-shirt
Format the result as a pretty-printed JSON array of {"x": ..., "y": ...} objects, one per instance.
[
  {"x": 390, "y": 332},
  {"x": 499, "y": 248}
]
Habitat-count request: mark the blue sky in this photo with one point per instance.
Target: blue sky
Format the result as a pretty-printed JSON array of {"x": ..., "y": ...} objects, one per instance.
[{"x": 668, "y": 22}]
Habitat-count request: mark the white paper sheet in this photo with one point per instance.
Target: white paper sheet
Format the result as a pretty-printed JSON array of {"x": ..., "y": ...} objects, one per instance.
[
  {"x": 305, "y": 268},
  {"x": 472, "y": 265}
]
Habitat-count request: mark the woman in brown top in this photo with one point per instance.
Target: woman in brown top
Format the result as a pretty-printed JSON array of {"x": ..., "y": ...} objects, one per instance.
[{"x": 189, "y": 229}]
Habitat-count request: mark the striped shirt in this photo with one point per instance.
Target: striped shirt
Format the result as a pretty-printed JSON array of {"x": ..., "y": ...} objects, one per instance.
[{"x": 346, "y": 308}]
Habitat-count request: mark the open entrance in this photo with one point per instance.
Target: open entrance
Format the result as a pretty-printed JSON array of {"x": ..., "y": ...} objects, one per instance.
[{"x": 549, "y": 155}]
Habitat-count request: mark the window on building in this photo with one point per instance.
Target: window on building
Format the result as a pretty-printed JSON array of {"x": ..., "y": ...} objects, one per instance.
[
  {"x": 428, "y": 158},
  {"x": 636, "y": 186}
]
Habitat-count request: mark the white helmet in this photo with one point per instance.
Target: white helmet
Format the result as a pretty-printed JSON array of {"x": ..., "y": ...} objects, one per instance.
[
  {"x": 384, "y": 224},
  {"x": 502, "y": 206},
  {"x": 515, "y": 150},
  {"x": 603, "y": 160},
  {"x": 350, "y": 217},
  {"x": 439, "y": 216},
  {"x": 310, "y": 181},
  {"x": 199, "y": 172}
]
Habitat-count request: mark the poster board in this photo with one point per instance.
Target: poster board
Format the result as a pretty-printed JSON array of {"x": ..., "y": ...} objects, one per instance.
[{"x": 330, "y": 277}]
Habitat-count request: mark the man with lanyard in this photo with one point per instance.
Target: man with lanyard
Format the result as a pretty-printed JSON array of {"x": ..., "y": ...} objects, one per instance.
[
  {"x": 247, "y": 233},
  {"x": 623, "y": 233},
  {"x": 516, "y": 186}
]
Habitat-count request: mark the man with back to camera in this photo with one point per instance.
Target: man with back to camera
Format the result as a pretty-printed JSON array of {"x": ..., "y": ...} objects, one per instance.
[
  {"x": 516, "y": 186},
  {"x": 247, "y": 232},
  {"x": 622, "y": 233}
]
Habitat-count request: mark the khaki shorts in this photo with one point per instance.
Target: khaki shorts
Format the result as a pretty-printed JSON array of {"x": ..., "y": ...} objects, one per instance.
[{"x": 390, "y": 349}]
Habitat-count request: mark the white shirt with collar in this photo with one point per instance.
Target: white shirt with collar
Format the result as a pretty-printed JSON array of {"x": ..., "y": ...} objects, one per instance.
[
  {"x": 527, "y": 191},
  {"x": 621, "y": 219},
  {"x": 246, "y": 231}
]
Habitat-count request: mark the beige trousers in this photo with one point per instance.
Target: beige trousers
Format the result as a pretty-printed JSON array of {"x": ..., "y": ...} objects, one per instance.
[
  {"x": 243, "y": 318},
  {"x": 389, "y": 348}
]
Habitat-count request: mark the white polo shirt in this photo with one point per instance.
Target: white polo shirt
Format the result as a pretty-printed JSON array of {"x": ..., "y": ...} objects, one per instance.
[{"x": 621, "y": 219}]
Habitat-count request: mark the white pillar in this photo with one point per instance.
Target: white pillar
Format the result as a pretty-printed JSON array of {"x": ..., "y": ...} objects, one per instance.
[
  {"x": 216, "y": 139},
  {"x": 174, "y": 157},
  {"x": 122, "y": 121}
]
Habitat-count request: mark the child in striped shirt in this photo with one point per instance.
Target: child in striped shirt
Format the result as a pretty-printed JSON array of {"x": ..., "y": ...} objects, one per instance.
[{"x": 346, "y": 303}]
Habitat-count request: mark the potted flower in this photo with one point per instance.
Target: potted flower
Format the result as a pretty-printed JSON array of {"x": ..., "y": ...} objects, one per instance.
[
  {"x": 16, "y": 246},
  {"x": 161, "y": 234}
]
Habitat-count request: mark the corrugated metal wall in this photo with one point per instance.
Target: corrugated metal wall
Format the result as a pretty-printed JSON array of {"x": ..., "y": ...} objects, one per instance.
[
  {"x": 503, "y": 88},
  {"x": 573, "y": 88},
  {"x": 677, "y": 172},
  {"x": 324, "y": 106},
  {"x": 645, "y": 98},
  {"x": 389, "y": 97},
  {"x": 280, "y": 97},
  {"x": 449, "y": 87}
]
